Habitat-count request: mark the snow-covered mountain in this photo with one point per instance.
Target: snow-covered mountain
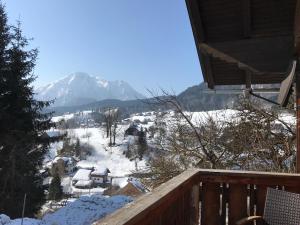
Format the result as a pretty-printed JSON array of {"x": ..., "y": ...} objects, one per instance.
[{"x": 82, "y": 88}]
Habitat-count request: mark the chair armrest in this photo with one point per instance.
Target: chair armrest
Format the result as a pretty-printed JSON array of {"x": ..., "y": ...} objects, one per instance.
[{"x": 249, "y": 219}]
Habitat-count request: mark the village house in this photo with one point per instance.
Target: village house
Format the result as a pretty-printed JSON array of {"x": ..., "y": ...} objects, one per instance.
[
  {"x": 133, "y": 188},
  {"x": 63, "y": 165},
  {"x": 82, "y": 179},
  {"x": 99, "y": 176},
  {"x": 133, "y": 130}
]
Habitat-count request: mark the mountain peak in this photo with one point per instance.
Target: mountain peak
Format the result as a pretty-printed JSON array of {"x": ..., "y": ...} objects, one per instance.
[{"x": 81, "y": 88}]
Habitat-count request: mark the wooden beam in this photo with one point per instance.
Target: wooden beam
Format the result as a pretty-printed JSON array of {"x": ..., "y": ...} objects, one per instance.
[
  {"x": 286, "y": 85},
  {"x": 196, "y": 21},
  {"x": 208, "y": 70},
  {"x": 248, "y": 79},
  {"x": 198, "y": 32},
  {"x": 247, "y": 18},
  {"x": 223, "y": 56},
  {"x": 229, "y": 59}
]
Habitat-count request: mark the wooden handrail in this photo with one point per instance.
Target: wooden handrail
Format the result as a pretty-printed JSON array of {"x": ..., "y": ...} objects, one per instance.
[
  {"x": 160, "y": 198},
  {"x": 249, "y": 177},
  {"x": 205, "y": 193}
]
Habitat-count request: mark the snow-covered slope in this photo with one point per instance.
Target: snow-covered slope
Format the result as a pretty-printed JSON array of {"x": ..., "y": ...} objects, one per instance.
[
  {"x": 83, "y": 211},
  {"x": 82, "y": 88}
]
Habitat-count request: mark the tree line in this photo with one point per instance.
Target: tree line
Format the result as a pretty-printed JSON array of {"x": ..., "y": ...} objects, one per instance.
[{"x": 23, "y": 141}]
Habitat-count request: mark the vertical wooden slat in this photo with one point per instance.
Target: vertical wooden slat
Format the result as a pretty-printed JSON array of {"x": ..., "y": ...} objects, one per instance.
[
  {"x": 187, "y": 208},
  {"x": 261, "y": 192},
  {"x": 251, "y": 200},
  {"x": 154, "y": 221},
  {"x": 180, "y": 210},
  {"x": 201, "y": 195},
  {"x": 224, "y": 201},
  {"x": 194, "y": 204},
  {"x": 168, "y": 217},
  {"x": 210, "y": 204},
  {"x": 237, "y": 200}
]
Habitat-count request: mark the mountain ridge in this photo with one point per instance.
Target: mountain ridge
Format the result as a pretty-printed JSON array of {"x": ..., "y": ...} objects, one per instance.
[
  {"x": 194, "y": 99},
  {"x": 81, "y": 88}
]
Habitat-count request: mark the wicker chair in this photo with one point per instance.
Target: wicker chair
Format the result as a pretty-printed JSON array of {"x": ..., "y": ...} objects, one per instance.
[{"x": 281, "y": 208}]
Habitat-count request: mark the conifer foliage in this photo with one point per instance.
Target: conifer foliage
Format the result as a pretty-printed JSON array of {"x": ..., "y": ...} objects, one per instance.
[
  {"x": 23, "y": 142},
  {"x": 55, "y": 189}
]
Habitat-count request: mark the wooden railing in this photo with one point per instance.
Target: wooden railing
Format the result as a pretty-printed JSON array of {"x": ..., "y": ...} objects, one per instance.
[{"x": 206, "y": 197}]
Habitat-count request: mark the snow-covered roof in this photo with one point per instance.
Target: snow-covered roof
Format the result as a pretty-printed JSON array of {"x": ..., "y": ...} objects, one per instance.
[
  {"x": 82, "y": 174},
  {"x": 100, "y": 171},
  {"x": 83, "y": 183},
  {"x": 56, "y": 119},
  {"x": 48, "y": 165},
  {"x": 135, "y": 182},
  {"x": 68, "y": 160},
  {"x": 54, "y": 133},
  {"x": 84, "y": 164}
]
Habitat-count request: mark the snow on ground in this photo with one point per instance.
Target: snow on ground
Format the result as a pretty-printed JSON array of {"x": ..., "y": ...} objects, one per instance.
[
  {"x": 56, "y": 119},
  {"x": 80, "y": 191},
  {"x": 229, "y": 114},
  {"x": 288, "y": 118},
  {"x": 85, "y": 210},
  {"x": 121, "y": 182},
  {"x": 92, "y": 206},
  {"x": 66, "y": 183},
  {"x": 217, "y": 115},
  {"x": 110, "y": 157},
  {"x": 143, "y": 118},
  {"x": 102, "y": 156},
  {"x": 5, "y": 220},
  {"x": 113, "y": 157}
]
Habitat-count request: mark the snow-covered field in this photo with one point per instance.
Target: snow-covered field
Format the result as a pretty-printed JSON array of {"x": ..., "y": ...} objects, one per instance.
[
  {"x": 92, "y": 205},
  {"x": 110, "y": 157},
  {"x": 85, "y": 210},
  {"x": 102, "y": 155}
]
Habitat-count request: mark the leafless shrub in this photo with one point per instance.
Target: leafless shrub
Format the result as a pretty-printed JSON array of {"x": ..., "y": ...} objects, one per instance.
[{"x": 253, "y": 138}]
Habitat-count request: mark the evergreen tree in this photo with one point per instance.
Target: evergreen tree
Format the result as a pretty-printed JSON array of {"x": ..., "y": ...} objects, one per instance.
[
  {"x": 142, "y": 143},
  {"x": 22, "y": 125},
  {"x": 4, "y": 41},
  {"x": 68, "y": 148},
  {"x": 77, "y": 148},
  {"x": 55, "y": 189}
]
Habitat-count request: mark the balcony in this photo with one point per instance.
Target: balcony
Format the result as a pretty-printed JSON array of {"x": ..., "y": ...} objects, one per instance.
[{"x": 206, "y": 197}]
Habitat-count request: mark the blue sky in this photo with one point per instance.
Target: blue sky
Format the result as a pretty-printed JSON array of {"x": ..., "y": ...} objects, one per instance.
[{"x": 148, "y": 43}]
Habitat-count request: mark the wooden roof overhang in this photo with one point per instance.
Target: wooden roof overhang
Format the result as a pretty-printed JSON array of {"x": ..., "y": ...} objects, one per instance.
[{"x": 245, "y": 41}]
